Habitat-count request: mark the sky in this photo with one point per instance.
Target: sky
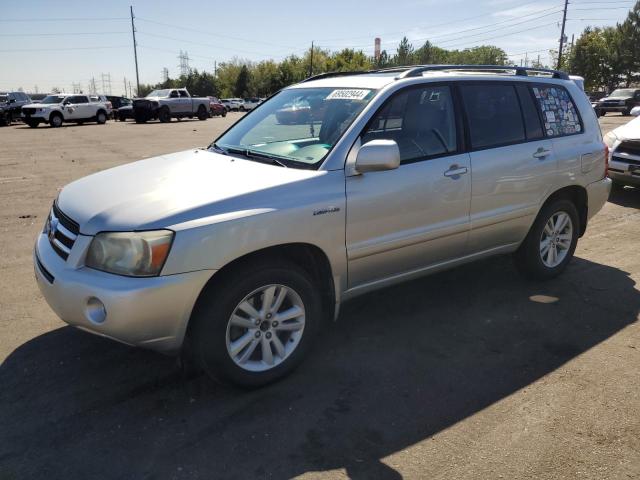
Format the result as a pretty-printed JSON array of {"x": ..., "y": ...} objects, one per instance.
[{"x": 55, "y": 43}]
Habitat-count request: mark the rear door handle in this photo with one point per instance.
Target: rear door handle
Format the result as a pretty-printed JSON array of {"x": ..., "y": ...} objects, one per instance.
[
  {"x": 455, "y": 171},
  {"x": 541, "y": 153}
]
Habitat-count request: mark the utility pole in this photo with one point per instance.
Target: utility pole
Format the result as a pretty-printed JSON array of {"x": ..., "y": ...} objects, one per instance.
[
  {"x": 562, "y": 40},
  {"x": 135, "y": 49},
  {"x": 311, "y": 61},
  {"x": 92, "y": 86},
  {"x": 125, "y": 87},
  {"x": 215, "y": 68}
]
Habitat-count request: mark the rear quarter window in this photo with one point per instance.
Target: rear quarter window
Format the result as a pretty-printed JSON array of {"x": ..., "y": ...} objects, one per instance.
[{"x": 559, "y": 112}]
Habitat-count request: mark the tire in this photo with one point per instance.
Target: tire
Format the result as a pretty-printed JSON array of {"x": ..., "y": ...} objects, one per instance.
[
  {"x": 55, "y": 120},
  {"x": 9, "y": 119},
  {"x": 224, "y": 113},
  {"x": 164, "y": 115},
  {"x": 598, "y": 113},
  {"x": 627, "y": 112},
  {"x": 241, "y": 109},
  {"x": 101, "y": 118},
  {"x": 32, "y": 123},
  {"x": 529, "y": 257},
  {"x": 212, "y": 334},
  {"x": 602, "y": 114},
  {"x": 202, "y": 113}
]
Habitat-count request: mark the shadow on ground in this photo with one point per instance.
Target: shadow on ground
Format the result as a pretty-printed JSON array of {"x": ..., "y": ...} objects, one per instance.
[
  {"x": 625, "y": 196},
  {"x": 401, "y": 365}
]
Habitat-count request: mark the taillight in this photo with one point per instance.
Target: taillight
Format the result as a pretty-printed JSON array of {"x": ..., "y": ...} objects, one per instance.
[{"x": 606, "y": 160}]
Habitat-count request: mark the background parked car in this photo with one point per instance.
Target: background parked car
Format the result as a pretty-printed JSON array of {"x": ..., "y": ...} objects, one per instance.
[
  {"x": 216, "y": 107},
  {"x": 168, "y": 103},
  {"x": 11, "y": 104},
  {"x": 37, "y": 97},
  {"x": 233, "y": 104},
  {"x": 117, "y": 102},
  {"x": 125, "y": 109},
  {"x": 62, "y": 107},
  {"x": 624, "y": 147},
  {"x": 620, "y": 100},
  {"x": 250, "y": 103}
]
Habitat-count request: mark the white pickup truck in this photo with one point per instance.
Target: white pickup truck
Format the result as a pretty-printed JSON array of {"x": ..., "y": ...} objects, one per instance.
[{"x": 170, "y": 103}]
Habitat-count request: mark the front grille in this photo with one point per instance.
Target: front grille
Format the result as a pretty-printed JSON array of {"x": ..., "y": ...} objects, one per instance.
[
  {"x": 28, "y": 111},
  {"x": 630, "y": 147},
  {"x": 628, "y": 160},
  {"x": 62, "y": 231}
]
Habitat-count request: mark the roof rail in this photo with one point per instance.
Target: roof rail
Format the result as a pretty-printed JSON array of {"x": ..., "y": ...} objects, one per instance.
[
  {"x": 320, "y": 76},
  {"x": 417, "y": 70}
]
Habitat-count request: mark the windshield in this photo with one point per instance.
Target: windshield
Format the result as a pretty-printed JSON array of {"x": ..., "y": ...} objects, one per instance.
[
  {"x": 53, "y": 99},
  {"x": 623, "y": 92},
  {"x": 298, "y": 126},
  {"x": 159, "y": 93}
]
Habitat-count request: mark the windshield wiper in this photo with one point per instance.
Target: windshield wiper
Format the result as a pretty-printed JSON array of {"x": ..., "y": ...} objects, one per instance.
[{"x": 273, "y": 158}]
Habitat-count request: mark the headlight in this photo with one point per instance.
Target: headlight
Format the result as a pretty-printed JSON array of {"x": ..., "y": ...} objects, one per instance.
[
  {"x": 135, "y": 254},
  {"x": 610, "y": 140}
]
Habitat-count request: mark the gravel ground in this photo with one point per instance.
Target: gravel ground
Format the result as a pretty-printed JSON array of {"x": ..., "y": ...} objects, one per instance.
[{"x": 472, "y": 373}]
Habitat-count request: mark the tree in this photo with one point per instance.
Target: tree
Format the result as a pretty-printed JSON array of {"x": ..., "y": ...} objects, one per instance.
[{"x": 404, "y": 54}]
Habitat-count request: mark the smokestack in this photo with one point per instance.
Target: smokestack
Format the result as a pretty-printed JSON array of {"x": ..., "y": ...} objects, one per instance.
[{"x": 376, "y": 49}]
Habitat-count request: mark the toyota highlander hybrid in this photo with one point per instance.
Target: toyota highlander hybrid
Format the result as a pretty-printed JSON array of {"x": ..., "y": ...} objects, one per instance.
[{"x": 238, "y": 254}]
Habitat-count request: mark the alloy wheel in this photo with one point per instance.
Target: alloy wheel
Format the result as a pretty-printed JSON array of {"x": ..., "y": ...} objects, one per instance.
[
  {"x": 556, "y": 239},
  {"x": 265, "y": 328}
]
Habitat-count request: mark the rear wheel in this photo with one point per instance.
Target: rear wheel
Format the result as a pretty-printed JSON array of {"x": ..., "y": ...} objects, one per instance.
[
  {"x": 551, "y": 242},
  {"x": 55, "y": 121},
  {"x": 224, "y": 113},
  {"x": 259, "y": 326},
  {"x": 202, "y": 113}
]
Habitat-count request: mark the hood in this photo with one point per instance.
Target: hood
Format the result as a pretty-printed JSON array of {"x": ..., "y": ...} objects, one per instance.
[
  {"x": 625, "y": 97},
  {"x": 41, "y": 105},
  {"x": 172, "y": 189},
  {"x": 629, "y": 131}
]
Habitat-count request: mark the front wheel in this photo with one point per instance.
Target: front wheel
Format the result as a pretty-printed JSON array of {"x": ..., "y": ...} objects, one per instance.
[
  {"x": 32, "y": 123},
  {"x": 56, "y": 120},
  {"x": 259, "y": 326},
  {"x": 550, "y": 243},
  {"x": 101, "y": 118}
]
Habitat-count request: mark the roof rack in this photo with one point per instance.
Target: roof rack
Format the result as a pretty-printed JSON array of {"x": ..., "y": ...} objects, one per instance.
[
  {"x": 335, "y": 74},
  {"x": 416, "y": 71}
]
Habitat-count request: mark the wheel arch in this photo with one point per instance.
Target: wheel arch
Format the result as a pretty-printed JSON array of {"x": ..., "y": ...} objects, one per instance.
[
  {"x": 578, "y": 195},
  {"x": 55, "y": 112},
  {"x": 311, "y": 258}
]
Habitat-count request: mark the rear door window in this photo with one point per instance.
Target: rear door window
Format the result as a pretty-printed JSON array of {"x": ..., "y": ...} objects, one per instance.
[
  {"x": 493, "y": 115},
  {"x": 532, "y": 123}
]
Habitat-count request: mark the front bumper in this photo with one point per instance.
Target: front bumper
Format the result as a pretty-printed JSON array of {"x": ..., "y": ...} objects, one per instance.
[
  {"x": 612, "y": 108},
  {"x": 145, "y": 312}
]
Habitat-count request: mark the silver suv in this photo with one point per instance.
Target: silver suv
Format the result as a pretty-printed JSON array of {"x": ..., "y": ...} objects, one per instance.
[{"x": 238, "y": 253}]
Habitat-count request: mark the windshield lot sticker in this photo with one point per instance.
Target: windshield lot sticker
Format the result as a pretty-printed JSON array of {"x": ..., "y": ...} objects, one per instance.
[{"x": 348, "y": 94}]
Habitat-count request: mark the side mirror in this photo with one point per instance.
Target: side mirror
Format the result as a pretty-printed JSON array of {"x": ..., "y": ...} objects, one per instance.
[
  {"x": 377, "y": 156},
  {"x": 66, "y": 102},
  {"x": 12, "y": 100}
]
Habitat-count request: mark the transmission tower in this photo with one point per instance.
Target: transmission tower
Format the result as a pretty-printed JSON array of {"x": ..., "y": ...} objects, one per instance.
[
  {"x": 106, "y": 83},
  {"x": 77, "y": 88},
  {"x": 165, "y": 74},
  {"x": 92, "y": 86},
  {"x": 184, "y": 63}
]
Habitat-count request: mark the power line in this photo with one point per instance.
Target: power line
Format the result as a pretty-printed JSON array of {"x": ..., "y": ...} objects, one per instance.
[
  {"x": 12, "y": 50},
  {"x": 485, "y": 26},
  {"x": 204, "y": 32},
  {"x": 61, "y": 34},
  {"x": 69, "y": 19},
  {"x": 456, "y": 22}
]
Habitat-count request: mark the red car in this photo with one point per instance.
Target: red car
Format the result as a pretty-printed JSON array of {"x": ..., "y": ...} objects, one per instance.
[{"x": 216, "y": 108}]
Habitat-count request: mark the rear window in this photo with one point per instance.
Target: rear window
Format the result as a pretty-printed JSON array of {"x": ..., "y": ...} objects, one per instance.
[
  {"x": 494, "y": 116},
  {"x": 559, "y": 113}
]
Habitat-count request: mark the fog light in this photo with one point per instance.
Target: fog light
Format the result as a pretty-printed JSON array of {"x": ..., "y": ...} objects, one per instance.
[{"x": 95, "y": 311}]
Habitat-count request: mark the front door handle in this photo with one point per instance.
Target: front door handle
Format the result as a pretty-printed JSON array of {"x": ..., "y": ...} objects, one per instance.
[
  {"x": 541, "y": 153},
  {"x": 455, "y": 171}
]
